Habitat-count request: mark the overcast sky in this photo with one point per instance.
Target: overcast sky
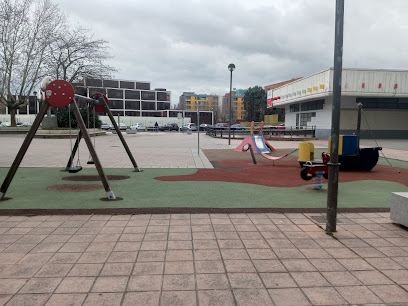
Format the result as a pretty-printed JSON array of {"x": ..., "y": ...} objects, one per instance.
[{"x": 186, "y": 45}]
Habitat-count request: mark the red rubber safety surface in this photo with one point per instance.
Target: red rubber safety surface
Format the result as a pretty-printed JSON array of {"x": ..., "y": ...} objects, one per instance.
[
  {"x": 283, "y": 174},
  {"x": 59, "y": 93}
]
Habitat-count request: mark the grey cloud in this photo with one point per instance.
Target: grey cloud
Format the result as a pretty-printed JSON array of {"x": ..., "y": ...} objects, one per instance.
[{"x": 187, "y": 44}]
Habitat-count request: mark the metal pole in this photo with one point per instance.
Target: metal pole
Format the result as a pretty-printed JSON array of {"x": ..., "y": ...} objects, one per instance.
[
  {"x": 333, "y": 183},
  {"x": 23, "y": 149},
  {"x": 230, "y": 116},
  {"x": 198, "y": 127},
  {"x": 360, "y": 106}
]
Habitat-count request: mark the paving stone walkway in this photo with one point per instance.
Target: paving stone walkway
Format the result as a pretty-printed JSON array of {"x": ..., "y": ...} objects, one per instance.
[{"x": 202, "y": 259}]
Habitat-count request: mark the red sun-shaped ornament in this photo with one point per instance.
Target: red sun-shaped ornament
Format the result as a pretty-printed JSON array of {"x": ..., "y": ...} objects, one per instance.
[{"x": 59, "y": 93}]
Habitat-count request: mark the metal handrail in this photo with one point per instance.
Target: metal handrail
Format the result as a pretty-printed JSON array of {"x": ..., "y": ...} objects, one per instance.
[{"x": 267, "y": 132}]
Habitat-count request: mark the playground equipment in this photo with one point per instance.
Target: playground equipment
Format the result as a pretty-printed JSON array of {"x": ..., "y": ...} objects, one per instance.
[
  {"x": 256, "y": 141},
  {"x": 351, "y": 156},
  {"x": 60, "y": 93},
  {"x": 316, "y": 168},
  {"x": 100, "y": 103},
  {"x": 260, "y": 144}
]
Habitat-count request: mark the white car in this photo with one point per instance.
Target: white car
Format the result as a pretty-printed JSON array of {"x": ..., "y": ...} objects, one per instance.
[
  {"x": 121, "y": 125},
  {"x": 6, "y": 123},
  {"x": 105, "y": 126},
  {"x": 138, "y": 126},
  {"x": 189, "y": 126}
]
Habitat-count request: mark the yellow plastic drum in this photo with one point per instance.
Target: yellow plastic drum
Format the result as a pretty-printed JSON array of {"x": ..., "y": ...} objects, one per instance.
[{"x": 306, "y": 152}]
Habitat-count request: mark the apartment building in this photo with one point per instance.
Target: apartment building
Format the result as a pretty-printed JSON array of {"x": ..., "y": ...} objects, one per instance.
[
  {"x": 238, "y": 109},
  {"x": 189, "y": 101}
]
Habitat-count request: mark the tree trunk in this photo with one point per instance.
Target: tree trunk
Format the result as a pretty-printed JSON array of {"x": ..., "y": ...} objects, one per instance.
[{"x": 13, "y": 116}]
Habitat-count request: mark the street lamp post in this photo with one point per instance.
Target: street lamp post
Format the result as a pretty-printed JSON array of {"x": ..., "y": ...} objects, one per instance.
[{"x": 231, "y": 68}]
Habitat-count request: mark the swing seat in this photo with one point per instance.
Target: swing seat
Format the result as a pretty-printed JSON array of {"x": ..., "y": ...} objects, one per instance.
[
  {"x": 75, "y": 169},
  {"x": 90, "y": 162}
]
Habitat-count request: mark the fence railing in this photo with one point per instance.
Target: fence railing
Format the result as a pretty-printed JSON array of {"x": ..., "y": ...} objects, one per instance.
[{"x": 287, "y": 132}]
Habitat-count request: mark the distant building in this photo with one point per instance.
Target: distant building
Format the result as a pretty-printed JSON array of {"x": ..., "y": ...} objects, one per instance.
[
  {"x": 384, "y": 94},
  {"x": 189, "y": 100},
  {"x": 128, "y": 98},
  {"x": 134, "y": 101},
  {"x": 238, "y": 109}
]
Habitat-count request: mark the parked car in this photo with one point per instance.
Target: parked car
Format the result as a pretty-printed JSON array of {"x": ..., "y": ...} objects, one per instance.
[
  {"x": 189, "y": 126},
  {"x": 6, "y": 123},
  {"x": 169, "y": 127},
  {"x": 221, "y": 126},
  {"x": 204, "y": 126},
  {"x": 138, "y": 126},
  {"x": 238, "y": 127},
  {"x": 281, "y": 126},
  {"x": 121, "y": 125},
  {"x": 105, "y": 126}
]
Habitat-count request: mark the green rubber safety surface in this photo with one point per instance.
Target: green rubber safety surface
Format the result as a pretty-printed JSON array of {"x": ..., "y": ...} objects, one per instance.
[{"x": 28, "y": 190}]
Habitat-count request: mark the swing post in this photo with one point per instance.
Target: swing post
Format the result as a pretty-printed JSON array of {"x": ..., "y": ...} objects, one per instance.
[
  {"x": 91, "y": 149},
  {"x": 23, "y": 149}
]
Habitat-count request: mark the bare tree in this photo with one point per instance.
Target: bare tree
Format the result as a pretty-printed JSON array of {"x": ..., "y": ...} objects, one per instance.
[
  {"x": 75, "y": 54},
  {"x": 27, "y": 28}
]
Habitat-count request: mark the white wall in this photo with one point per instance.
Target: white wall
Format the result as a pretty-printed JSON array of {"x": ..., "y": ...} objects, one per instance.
[
  {"x": 378, "y": 119},
  {"x": 320, "y": 85},
  {"x": 148, "y": 121}
]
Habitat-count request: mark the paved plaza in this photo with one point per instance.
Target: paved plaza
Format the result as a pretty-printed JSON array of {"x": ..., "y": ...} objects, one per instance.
[
  {"x": 202, "y": 259},
  {"x": 151, "y": 150},
  {"x": 194, "y": 259}
]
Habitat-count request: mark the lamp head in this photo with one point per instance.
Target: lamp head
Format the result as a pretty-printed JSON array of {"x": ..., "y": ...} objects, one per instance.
[{"x": 231, "y": 67}]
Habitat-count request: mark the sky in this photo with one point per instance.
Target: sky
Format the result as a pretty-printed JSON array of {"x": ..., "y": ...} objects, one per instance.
[{"x": 187, "y": 45}]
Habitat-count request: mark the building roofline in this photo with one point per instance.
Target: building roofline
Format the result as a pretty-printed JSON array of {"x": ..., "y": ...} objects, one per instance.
[{"x": 331, "y": 68}]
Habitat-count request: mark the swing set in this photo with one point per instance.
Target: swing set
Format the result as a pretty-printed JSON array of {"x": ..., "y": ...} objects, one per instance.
[{"x": 60, "y": 93}]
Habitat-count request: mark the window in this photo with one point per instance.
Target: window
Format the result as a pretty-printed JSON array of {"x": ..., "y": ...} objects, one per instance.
[
  {"x": 132, "y": 105},
  {"x": 131, "y": 113},
  {"x": 306, "y": 117},
  {"x": 117, "y": 104},
  {"x": 148, "y": 105},
  {"x": 148, "y": 95},
  {"x": 115, "y": 113},
  {"x": 141, "y": 85},
  {"x": 115, "y": 93},
  {"x": 111, "y": 83},
  {"x": 93, "y": 82},
  {"x": 384, "y": 103},
  {"x": 32, "y": 105},
  {"x": 151, "y": 114},
  {"x": 294, "y": 108},
  {"x": 80, "y": 91},
  {"x": 132, "y": 94},
  {"x": 163, "y": 105},
  {"x": 161, "y": 96},
  {"x": 125, "y": 84},
  {"x": 312, "y": 105}
]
